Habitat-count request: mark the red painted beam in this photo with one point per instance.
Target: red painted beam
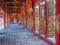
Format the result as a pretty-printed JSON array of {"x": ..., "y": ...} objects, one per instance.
[
  {"x": 35, "y": 1},
  {"x": 15, "y": 11}
]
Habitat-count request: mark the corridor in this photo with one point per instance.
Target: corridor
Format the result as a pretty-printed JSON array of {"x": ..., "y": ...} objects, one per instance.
[
  {"x": 17, "y": 34},
  {"x": 29, "y": 22}
]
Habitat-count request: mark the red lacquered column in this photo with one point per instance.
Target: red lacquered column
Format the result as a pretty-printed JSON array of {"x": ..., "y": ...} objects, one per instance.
[
  {"x": 4, "y": 20},
  {"x": 33, "y": 17},
  {"x": 45, "y": 18},
  {"x": 58, "y": 22}
]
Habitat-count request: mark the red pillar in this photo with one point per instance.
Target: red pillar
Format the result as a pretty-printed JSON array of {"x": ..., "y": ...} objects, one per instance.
[
  {"x": 4, "y": 20},
  {"x": 45, "y": 18},
  {"x": 26, "y": 13},
  {"x": 1, "y": 21},
  {"x": 58, "y": 22},
  {"x": 11, "y": 19},
  {"x": 7, "y": 19},
  {"x": 33, "y": 18}
]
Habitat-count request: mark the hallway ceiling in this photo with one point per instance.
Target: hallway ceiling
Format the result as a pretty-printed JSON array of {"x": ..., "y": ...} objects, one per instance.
[
  {"x": 14, "y": 0},
  {"x": 13, "y": 5}
]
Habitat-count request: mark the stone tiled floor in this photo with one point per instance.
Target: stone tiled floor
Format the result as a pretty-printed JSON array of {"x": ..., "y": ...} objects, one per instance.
[{"x": 18, "y": 35}]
